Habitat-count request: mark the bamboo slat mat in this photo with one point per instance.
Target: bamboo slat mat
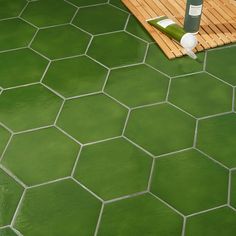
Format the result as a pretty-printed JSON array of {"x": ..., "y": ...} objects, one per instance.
[{"x": 218, "y": 25}]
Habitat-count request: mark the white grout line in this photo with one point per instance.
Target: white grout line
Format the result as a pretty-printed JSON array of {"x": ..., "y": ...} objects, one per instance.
[
  {"x": 97, "y": 62},
  {"x": 40, "y": 54},
  {"x": 8, "y": 172},
  {"x": 174, "y": 152},
  {"x": 186, "y": 75},
  {"x": 76, "y": 162},
  {"x": 8, "y": 129},
  {"x": 195, "y": 134},
  {"x": 205, "y": 211},
  {"x": 99, "y": 220},
  {"x": 102, "y": 140},
  {"x": 45, "y": 71},
  {"x": 9, "y": 18},
  {"x": 118, "y": 7},
  {"x": 48, "y": 182},
  {"x": 53, "y": 26},
  {"x": 157, "y": 69},
  {"x": 4, "y": 227},
  {"x": 6, "y": 147},
  {"x": 126, "y": 122},
  {"x": 140, "y": 39},
  {"x": 215, "y": 115},
  {"x": 29, "y": 23},
  {"x": 91, "y": 192},
  {"x": 83, "y": 95},
  {"x": 21, "y": 86},
  {"x": 125, "y": 66},
  {"x": 26, "y": 5},
  {"x": 73, "y": 17},
  {"x": 151, "y": 174},
  {"x": 229, "y": 187},
  {"x": 167, "y": 204},
  {"x": 184, "y": 227},
  {"x": 219, "y": 79},
  {"x": 125, "y": 197},
  {"x": 17, "y": 232},
  {"x": 106, "y": 80},
  {"x": 33, "y": 129},
  {"x": 89, "y": 44},
  {"x": 127, "y": 21},
  {"x": 147, "y": 105},
  {"x": 68, "y": 135},
  {"x": 59, "y": 112},
  {"x": 178, "y": 108},
  {"x": 214, "y": 160},
  {"x": 65, "y": 58},
  {"x": 70, "y": 3},
  {"x": 232, "y": 208},
  {"x": 233, "y": 100},
  {"x": 13, "y": 49},
  {"x": 122, "y": 104},
  {"x": 146, "y": 52},
  {"x": 205, "y": 62},
  {"x": 53, "y": 91},
  {"x": 108, "y": 33},
  {"x": 138, "y": 146},
  {"x": 18, "y": 208},
  {"x": 168, "y": 90},
  {"x": 85, "y": 31}
]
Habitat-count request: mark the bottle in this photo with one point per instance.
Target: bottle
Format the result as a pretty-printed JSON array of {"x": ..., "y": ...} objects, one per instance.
[
  {"x": 187, "y": 40},
  {"x": 193, "y": 15}
]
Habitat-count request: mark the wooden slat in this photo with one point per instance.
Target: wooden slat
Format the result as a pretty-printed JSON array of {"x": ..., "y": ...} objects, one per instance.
[{"x": 218, "y": 24}]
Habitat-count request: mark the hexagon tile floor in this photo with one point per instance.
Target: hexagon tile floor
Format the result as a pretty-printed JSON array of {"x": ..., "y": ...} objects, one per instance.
[{"x": 101, "y": 135}]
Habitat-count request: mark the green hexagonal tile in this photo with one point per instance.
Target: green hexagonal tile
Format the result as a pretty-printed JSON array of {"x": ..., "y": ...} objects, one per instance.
[
  {"x": 76, "y": 76},
  {"x": 201, "y": 95},
  {"x": 16, "y": 33},
  {"x": 28, "y": 107},
  {"x": 140, "y": 215},
  {"x": 220, "y": 222},
  {"x": 95, "y": 19},
  {"x": 11, "y": 8},
  {"x": 124, "y": 172},
  {"x": 233, "y": 189},
  {"x": 10, "y": 194},
  {"x": 117, "y": 49},
  {"x": 155, "y": 129},
  {"x": 118, "y": 3},
  {"x": 61, "y": 208},
  {"x": 134, "y": 27},
  {"x": 49, "y": 150},
  {"x": 179, "y": 66},
  {"x": 224, "y": 69},
  {"x": 47, "y": 13},
  {"x": 190, "y": 182},
  {"x": 92, "y": 118},
  {"x": 61, "y": 41},
  {"x": 4, "y": 137},
  {"x": 82, "y": 3},
  {"x": 21, "y": 67},
  {"x": 7, "y": 232},
  {"x": 137, "y": 85},
  {"x": 216, "y": 137}
]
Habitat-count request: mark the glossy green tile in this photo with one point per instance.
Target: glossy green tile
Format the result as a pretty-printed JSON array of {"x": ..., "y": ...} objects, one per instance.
[
  {"x": 220, "y": 222},
  {"x": 201, "y": 95},
  {"x": 179, "y": 66},
  {"x": 116, "y": 168},
  {"x": 76, "y": 76},
  {"x": 7, "y": 232},
  {"x": 49, "y": 150},
  {"x": 82, "y": 3},
  {"x": 11, "y": 8},
  {"x": 21, "y": 67},
  {"x": 233, "y": 189},
  {"x": 61, "y": 208},
  {"x": 140, "y": 215},
  {"x": 28, "y": 107},
  {"x": 137, "y": 29},
  {"x": 137, "y": 85},
  {"x": 118, "y": 3},
  {"x": 117, "y": 49},
  {"x": 92, "y": 118},
  {"x": 154, "y": 128},
  {"x": 100, "y": 19},
  {"x": 190, "y": 182},
  {"x": 216, "y": 137},
  {"x": 15, "y": 33},
  {"x": 221, "y": 64},
  {"x": 4, "y": 137},
  {"x": 61, "y": 41},
  {"x": 46, "y": 13},
  {"x": 10, "y": 194}
]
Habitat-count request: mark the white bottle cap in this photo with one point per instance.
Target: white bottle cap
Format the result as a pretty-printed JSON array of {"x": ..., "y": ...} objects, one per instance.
[{"x": 189, "y": 42}]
